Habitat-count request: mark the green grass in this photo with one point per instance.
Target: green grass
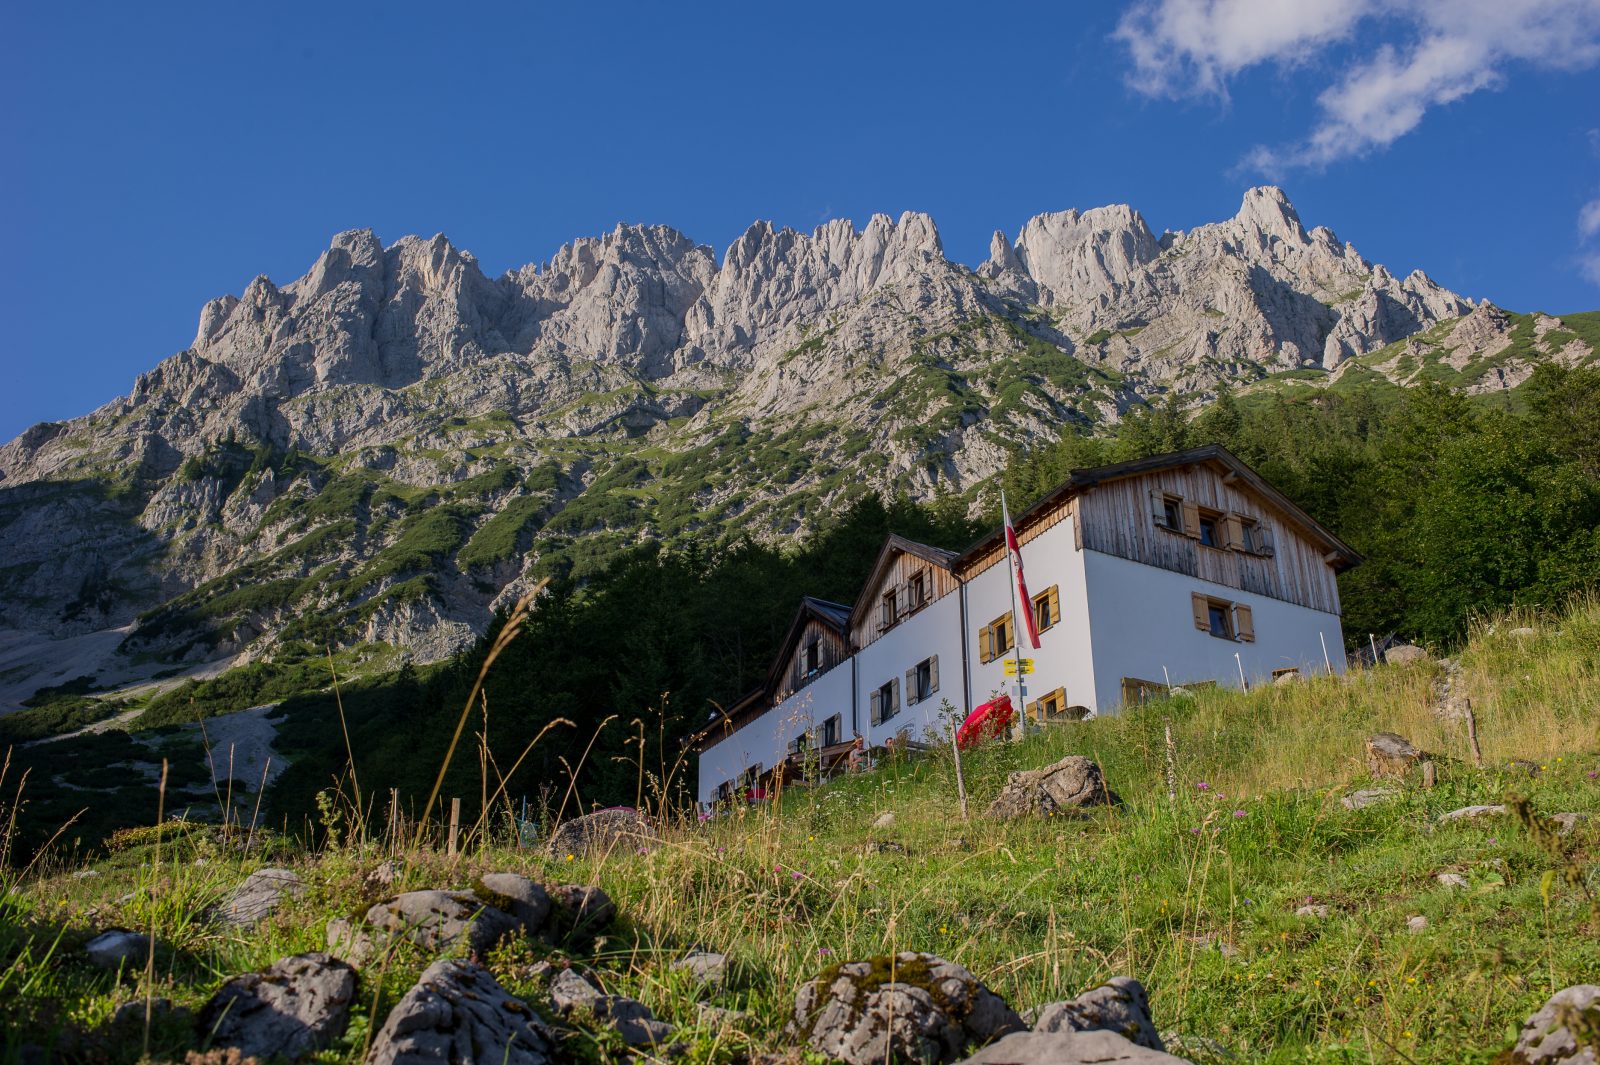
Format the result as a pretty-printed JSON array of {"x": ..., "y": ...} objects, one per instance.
[{"x": 1195, "y": 895}]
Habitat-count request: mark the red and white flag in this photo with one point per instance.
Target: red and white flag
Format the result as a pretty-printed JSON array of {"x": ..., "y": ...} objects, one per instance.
[{"x": 1024, "y": 601}]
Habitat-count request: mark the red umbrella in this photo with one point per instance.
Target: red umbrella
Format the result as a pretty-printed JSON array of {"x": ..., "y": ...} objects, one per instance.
[{"x": 986, "y": 721}]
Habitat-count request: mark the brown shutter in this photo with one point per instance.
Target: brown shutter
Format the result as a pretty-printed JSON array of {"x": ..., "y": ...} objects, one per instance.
[
  {"x": 1202, "y": 611},
  {"x": 983, "y": 644},
  {"x": 1031, "y": 711},
  {"x": 1243, "y": 623},
  {"x": 894, "y": 701},
  {"x": 911, "y": 686},
  {"x": 1233, "y": 532},
  {"x": 1158, "y": 508},
  {"x": 1191, "y": 520},
  {"x": 875, "y": 711},
  {"x": 933, "y": 674},
  {"x": 1055, "y": 604}
]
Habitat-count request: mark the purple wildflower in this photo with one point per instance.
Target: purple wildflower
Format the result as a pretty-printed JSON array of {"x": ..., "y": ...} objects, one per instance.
[
  {"x": 1202, "y": 786},
  {"x": 1238, "y": 813}
]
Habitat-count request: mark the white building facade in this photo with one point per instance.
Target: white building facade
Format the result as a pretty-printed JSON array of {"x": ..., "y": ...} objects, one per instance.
[{"x": 1182, "y": 569}]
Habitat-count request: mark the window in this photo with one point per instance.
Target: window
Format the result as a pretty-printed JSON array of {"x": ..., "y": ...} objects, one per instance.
[
  {"x": 889, "y": 612},
  {"x": 1222, "y": 619},
  {"x": 884, "y": 702},
  {"x": 1167, "y": 510},
  {"x": 1051, "y": 706},
  {"x": 830, "y": 731},
  {"x": 1047, "y": 608},
  {"x": 813, "y": 659},
  {"x": 1208, "y": 530},
  {"x": 917, "y": 591},
  {"x": 922, "y": 680},
  {"x": 996, "y": 638}
]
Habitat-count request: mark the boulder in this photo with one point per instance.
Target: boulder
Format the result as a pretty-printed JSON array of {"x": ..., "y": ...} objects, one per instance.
[
  {"x": 1389, "y": 755},
  {"x": 1564, "y": 1031},
  {"x": 117, "y": 948},
  {"x": 579, "y": 912},
  {"x": 458, "y": 1014},
  {"x": 1360, "y": 800},
  {"x": 603, "y": 831},
  {"x": 517, "y": 895},
  {"x": 903, "y": 1006},
  {"x": 1069, "y": 784},
  {"x": 632, "y": 1020},
  {"x": 1472, "y": 813},
  {"x": 258, "y": 896},
  {"x": 1403, "y": 654},
  {"x": 1569, "y": 822},
  {"x": 438, "y": 920},
  {"x": 1070, "y": 1048},
  {"x": 1120, "y": 1006},
  {"x": 704, "y": 967},
  {"x": 350, "y": 942},
  {"x": 295, "y": 1006}
]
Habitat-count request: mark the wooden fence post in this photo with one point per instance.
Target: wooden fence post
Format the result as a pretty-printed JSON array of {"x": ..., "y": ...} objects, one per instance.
[{"x": 455, "y": 825}]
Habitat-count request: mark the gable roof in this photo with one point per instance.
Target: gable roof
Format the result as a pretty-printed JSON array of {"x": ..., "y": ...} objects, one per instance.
[
  {"x": 1343, "y": 555},
  {"x": 895, "y": 545}
]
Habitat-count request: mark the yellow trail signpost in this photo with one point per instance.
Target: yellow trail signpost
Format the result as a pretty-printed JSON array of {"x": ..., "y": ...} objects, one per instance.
[{"x": 1019, "y": 665}]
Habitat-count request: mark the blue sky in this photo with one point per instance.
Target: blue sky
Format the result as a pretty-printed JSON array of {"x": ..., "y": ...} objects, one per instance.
[{"x": 152, "y": 157}]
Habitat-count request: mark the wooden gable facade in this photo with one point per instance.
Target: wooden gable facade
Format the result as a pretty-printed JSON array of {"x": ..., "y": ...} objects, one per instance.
[
  {"x": 818, "y": 641},
  {"x": 907, "y": 578}
]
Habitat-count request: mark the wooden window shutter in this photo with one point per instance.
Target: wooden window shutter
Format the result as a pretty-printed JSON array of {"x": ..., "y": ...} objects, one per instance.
[
  {"x": 983, "y": 644},
  {"x": 1233, "y": 532},
  {"x": 1055, "y": 603},
  {"x": 1158, "y": 507},
  {"x": 933, "y": 674},
  {"x": 1202, "y": 611},
  {"x": 911, "y": 686},
  {"x": 875, "y": 710},
  {"x": 1243, "y": 623},
  {"x": 1031, "y": 710},
  {"x": 894, "y": 700},
  {"x": 1191, "y": 520}
]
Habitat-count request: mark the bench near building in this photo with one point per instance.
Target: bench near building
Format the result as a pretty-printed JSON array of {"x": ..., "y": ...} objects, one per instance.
[{"x": 1180, "y": 569}]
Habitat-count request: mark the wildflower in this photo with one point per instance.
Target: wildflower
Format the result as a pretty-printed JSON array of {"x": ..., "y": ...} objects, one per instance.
[
  {"x": 1407, "y": 1034},
  {"x": 1492, "y": 841},
  {"x": 1593, "y": 774},
  {"x": 796, "y": 875},
  {"x": 569, "y": 857},
  {"x": 1202, "y": 786},
  {"x": 1195, "y": 831},
  {"x": 1238, "y": 813},
  {"x": 1411, "y": 979}
]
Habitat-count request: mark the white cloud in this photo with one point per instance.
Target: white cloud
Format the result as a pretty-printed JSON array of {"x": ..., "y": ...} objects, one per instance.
[
  {"x": 1589, "y": 220},
  {"x": 1588, "y": 231},
  {"x": 1409, "y": 56}
]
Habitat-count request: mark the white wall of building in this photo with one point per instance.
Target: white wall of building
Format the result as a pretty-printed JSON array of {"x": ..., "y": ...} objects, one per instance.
[
  {"x": 765, "y": 740},
  {"x": 1143, "y": 621},
  {"x": 934, "y": 630},
  {"x": 1063, "y": 659}
]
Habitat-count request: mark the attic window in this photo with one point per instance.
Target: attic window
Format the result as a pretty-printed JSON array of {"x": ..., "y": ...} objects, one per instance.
[
  {"x": 917, "y": 590},
  {"x": 813, "y": 658},
  {"x": 1209, "y": 534}
]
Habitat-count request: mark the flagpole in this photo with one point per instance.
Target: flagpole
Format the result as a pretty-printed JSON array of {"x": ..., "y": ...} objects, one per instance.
[{"x": 1021, "y": 731}]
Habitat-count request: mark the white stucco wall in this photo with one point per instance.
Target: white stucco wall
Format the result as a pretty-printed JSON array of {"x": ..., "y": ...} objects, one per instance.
[
  {"x": 934, "y": 630},
  {"x": 1143, "y": 621},
  {"x": 1063, "y": 659},
  {"x": 766, "y": 739}
]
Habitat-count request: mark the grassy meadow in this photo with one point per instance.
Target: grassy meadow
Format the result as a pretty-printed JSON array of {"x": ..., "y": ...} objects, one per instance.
[{"x": 1193, "y": 891}]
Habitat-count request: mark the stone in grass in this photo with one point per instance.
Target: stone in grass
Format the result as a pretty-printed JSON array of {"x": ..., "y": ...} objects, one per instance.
[
  {"x": 1120, "y": 1006},
  {"x": 1403, "y": 654},
  {"x": 1070, "y": 1048},
  {"x": 619, "y": 829},
  {"x": 1069, "y": 784},
  {"x": 458, "y": 1014},
  {"x": 438, "y": 920},
  {"x": 118, "y": 948},
  {"x": 1451, "y": 880},
  {"x": 1360, "y": 800},
  {"x": 630, "y": 1019},
  {"x": 1416, "y": 923},
  {"x": 350, "y": 942},
  {"x": 704, "y": 967},
  {"x": 909, "y": 1005},
  {"x": 1313, "y": 909},
  {"x": 295, "y": 1006},
  {"x": 1564, "y": 1031},
  {"x": 516, "y": 895},
  {"x": 1472, "y": 813},
  {"x": 258, "y": 896},
  {"x": 1390, "y": 755},
  {"x": 1569, "y": 822}
]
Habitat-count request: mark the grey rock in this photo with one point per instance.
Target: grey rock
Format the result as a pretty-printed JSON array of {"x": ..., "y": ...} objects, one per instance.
[
  {"x": 907, "y": 1006},
  {"x": 602, "y": 832},
  {"x": 1318, "y": 910},
  {"x": 295, "y": 1006},
  {"x": 1416, "y": 923},
  {"x": 632, "y": 1020},
  {"x": 118, "y": 948},
  {"x": 1562, "y": 1031},
  {"x": 1069, "y": 1048},
  {"x": 705, "y": 967},
  {"x": 1568, "y": 822},
  {"x": 439, "y": 920},
  {"x": 350, "y": 942},
  {"x": 720, "y": 1016},
  {"x": 386, "y": 873},
  {"x": 1472, "y": 813},
  {"x": 458, "y": 1014},
  {"x": 884, "y": 820},
  {"x": 1405, "y": 654},
  {"x": 516, "y": 895},
  {"x": 1390, "y": 755},
  {"x": 1360, "y": 800},
  {"x": 1069, "y": 784},
  {"x": 260, "y": 893},
  {"x": 1451, "y": 880},
  {"x": 1120, "y": 1005},
  {"x": 85, "y": 874}
]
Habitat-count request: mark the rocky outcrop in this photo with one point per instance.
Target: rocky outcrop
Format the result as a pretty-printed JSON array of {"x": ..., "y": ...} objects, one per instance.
[
  {"x": 1070, "y": 784},
  {"x": 1564, "y": 1031},
  {"x": 630, "y": 1019},
  {"x": 602, "y": 831},
  {"x": 1119, "y": 1006},
  {"x": 458, "y": 1014},
  {"x": 907, "y": 1006},
  {"x": 1070, "y": 1048},
  {"x": 257, "y": 896},
  {"x": 1390, "y": 755},
  {"x": 294, "y": 1007}
]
